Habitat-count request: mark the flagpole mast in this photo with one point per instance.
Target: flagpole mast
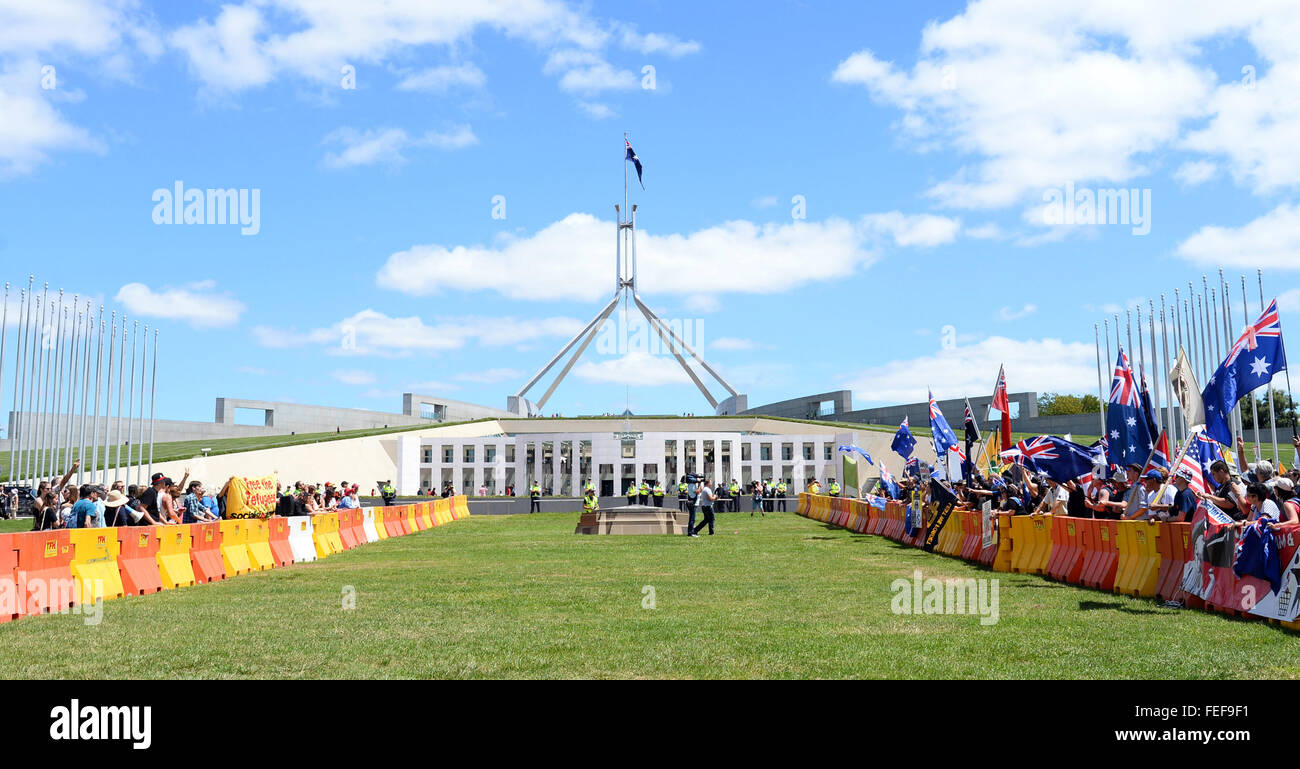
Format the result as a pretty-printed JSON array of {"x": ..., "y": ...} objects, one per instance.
[
  {"x": 99, "y": 383},
  {"x": 1155, "y": 364},
  {"x": 4, "y": 343},
  {"x": 19, "y": 364},
  {"x": 1272, "y": 420},
  {"x": 85, "y": 391},
  {"x": 1254, "y": 405},
  {"x": 1169, "y": 385},
  {"x": 1101, "y": 391}
]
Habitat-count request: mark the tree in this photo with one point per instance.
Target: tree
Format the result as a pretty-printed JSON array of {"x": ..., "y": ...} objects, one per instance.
[
  {"x": 1054, "y": 405},
  {"x": 1282, "y": 408}
]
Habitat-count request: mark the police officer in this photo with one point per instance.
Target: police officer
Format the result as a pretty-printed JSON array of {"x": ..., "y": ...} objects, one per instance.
[
  {"x": 589, "y": 501},
  {"x": 388, "y": 492},
  {"x": 631, "y": 493},
  {"x": 769, "y": 496},
  {"x": 659, "y": 493},
  {"x": 734, "y": 491},
  {"x": 535, "y": 498},
  {"x": 681, "y": 496},
  {"x": 835, "y": 488},
  {"x": 645, "y": 492},
  {"x": 780, "y": 494}
]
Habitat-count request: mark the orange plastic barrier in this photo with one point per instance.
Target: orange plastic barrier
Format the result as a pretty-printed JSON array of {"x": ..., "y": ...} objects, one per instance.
[
  {"x": 9, "y": 604},
  {"x": 348, "y": 530},
  {"x": 44, "y": 573},
  {"x": 138, "y": 559},
  {"x": 1102, "y": 559},
  {"x": 205, "y": 552},
  {"x": 278, "y": 541},
  {"x": 391, "y": 527},
  {"x": 971, "y": 535}
]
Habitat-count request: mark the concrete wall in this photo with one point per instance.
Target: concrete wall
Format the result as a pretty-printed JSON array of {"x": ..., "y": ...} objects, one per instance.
[
  {"x": 448, "y": 409},
  {"x": 297, "y": 417},
  {"x": 806, "y": 407}
]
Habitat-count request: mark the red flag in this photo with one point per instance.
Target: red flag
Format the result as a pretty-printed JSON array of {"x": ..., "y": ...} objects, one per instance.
[{"x": 1003, "y": 404}]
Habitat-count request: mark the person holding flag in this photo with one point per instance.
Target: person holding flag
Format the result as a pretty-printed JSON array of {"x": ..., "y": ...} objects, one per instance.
[
  {"x": 1002, "y": 402},
  {"x": 1129, "y": 436},
  {"x": 903, "y": 443},
  {"x": 1258, "y": 354},
  {"x": 944, "y": 438},
  {"x": 972, "y": 437}
]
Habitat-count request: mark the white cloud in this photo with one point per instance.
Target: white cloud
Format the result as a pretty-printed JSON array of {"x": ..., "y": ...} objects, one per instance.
[
  {"x": 373, "y": 333},
  {"x": 31, "y": 128},
  {"x": 914, "y": 229},
  {"x": 988, "y": 84},
  {"x": 1271, "y": 241},
  {"x": 197, "y": 307},
  {"x": 1006, "y": 313},
  {"x": 1289, "y": 301},
  {"x": 596, "y": 110},
  {"x": 702, "y": 303},
  {"x": 734, "y": 343},
  {"x": 1195, "y": 172},
  {"x": 1046, "y": 365},
  {"x": 765, "y": 201},
  {"x": 988, "y": 231},
  {"x": 568, "y": 259},
  {"x": 445, "y": 78},
  {"x": 654, "y": 42},
  {"x": 385, "y": 145},
  {"x": 634, "y": 368},
  {"x": 353, "y": 376}
]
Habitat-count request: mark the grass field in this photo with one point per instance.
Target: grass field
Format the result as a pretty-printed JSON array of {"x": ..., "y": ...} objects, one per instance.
[{"x": 522, "y": 596}]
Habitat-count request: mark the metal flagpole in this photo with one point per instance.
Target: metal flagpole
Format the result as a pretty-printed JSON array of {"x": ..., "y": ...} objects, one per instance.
[
  {"x": 1228, "y": 338},
  {"x": 1155, "y": 367},
  {"x": 74, "y": 379},
  {"x": 1169, "y": 385},
  {"x": 99, "y": 381},
  {"x": 47, "y": 324},
  {"x": 1128, "y": 327},
  {"x": 117, "y": 423},
  {"x": 1101, "y": 391},
  {"x": 130, "y": 402},
  {"x": 1215, "y": 323},
  {"x": 4, "y": 340},
  {"x": 153, "y": 399},
  {"x": 17, "y": 413},
  {"x": 1189, "y": 316},
  {"x": 56, "y": 434},
  {"x": 32, "y": 376},
  {"x": 1272, "y": 419},
  {"x": 85, "y": 391},
  {"x": 51, "y": 408},
  {"x": 108, "y": 397},
  {"x": 139, "y": 440}
]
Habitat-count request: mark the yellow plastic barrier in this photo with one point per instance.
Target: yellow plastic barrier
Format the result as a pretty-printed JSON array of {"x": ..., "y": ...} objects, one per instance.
[
  {"x": 426, "y": 514},
  {"x": 1002, "y": 558},
  {"x": 950, "y": 535},
  {"x": 325, "y": 534},
  {"x": 259, "y": 544},
  {"x": 234, "y": 547},
  {"x": 1041, "y": 531},
  {"x": 460, "y": 505},
  {"x": 443, "y": 511},
  {"x": 94, "y": 564},
  {"x": 411, "y": 523},
  {"x": 1138, "y": 570},
  {"x": 380, "y": 529},
  {"x": 174, "y": 565}
]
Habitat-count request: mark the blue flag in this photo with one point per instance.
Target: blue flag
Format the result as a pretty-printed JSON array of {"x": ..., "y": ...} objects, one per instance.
[
  {"x": 903, "y": 441},
  {"x": 636, "y": 161},
  {"x": 944, "y": 437},
  {"x": 1057, "y": 458},
  {"x": 850, "y": 448},
  {"x": 887, "y": 480},
  {"x": 1129, "y": 440},
  {"x": 1251, "y": 363}
]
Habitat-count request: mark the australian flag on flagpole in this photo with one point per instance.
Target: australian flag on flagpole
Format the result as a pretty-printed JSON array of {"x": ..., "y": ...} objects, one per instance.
[
  {"x": 972, "y": 437},
  {"x": 1129, "y": 440},
  {"x": 636, "y": 161},
  {"x": 903, "y": 441},
  {"x": 944, "y": 437},
  {"x": 1251, "y": 363}
]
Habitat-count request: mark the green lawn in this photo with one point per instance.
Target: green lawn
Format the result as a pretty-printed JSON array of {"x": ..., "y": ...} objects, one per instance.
[{"x": 522, "y": 596}]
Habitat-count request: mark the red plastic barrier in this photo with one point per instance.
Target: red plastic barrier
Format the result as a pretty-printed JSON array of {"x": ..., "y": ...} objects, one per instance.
[
  {"x": 971, "y": 535},
  {"x": 348, "y": 530},
  {"x": 205, "y": 552},
  {"x": 1091, "y": 555},
  {"x": 987, "y": 554},
  {"x": 390, "y": 522},
  {"x": 281, "y": 552},
  {"x": 10, "y": 605},
  {"x": 44, "y": 571},
  {"x": 1170, "y": 545},
  {"x": 1066, "y": 561},
  {"x": 1108, "y": 554},
  {"x": 138, "y": 560}
]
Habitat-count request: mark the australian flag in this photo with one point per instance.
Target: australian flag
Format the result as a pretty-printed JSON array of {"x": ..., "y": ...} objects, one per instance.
[
  {"x": 887, "y": 480},
  {"x": 1129, "y": 439},
  {"x": 972, "y": 437},
  {"x": 1251, "y": 363},
  {"x": 1057, "y": 458},
  {"x": 903, "y": 441},
  {"x": 852, "y": 448},
  {"x": 636, "y": 161},
  {"x": 944, "y": 437}
]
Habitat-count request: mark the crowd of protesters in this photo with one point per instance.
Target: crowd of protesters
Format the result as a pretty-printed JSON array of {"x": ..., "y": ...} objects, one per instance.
[{"x": 59, "y": 504}]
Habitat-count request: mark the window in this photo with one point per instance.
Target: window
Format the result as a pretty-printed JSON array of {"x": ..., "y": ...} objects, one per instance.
[
  {"x": 448, "y": 455},
  {"x": 469, "y": 453},
  {"x": 827, "y": 447},
  {"x": 787, "y": 452},
  {"x": 765, "y": 452},
  {"x": 629, "y": 449},
  {"x": 510, "y": 452},
  {"x": 808, "y": 451},
  {"x": 746, "y": 453},
  {"x": 426, "y": 455},
  {"x": 489, "y": 453},
  {"x": 825, "y": 408}
]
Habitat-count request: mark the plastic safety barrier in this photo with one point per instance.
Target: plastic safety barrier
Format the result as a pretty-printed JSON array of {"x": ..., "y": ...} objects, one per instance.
[
  {"x": 1002, "y": 556},
  {"x": 426, "y": 515},
  {"x": 257, "y": 533},
  {"x": 381, "y": 530},
  {"x": 302, "y": 538},
  {"x": 1138, "y": 564},
  {"x": 971, "y": 535},
  {"x": 205, "y": 552},
  {"x": 45, "y": 581},
  {"x": 460, "y": 507},
  {"x": 443, "y": 511},
  {"x": 412, "y": 525},
  {"x": 347, "y": 531},
  {"x": 10, "y": 604},
  {"x": 1066, "y": 561},
  {"x": 368, "y": 525},
  {"x": 1175, "y": 551},
  {"x": 1101, "y": 554},
  {"x": 175, "y": 569},
  {"x": 325, "y": 534},
  {"x": 94, "y": 564},
  {"x": 234, "y": 547},
  {"x": 278, "y": 541},
  {"x": 137, "y": 559}
]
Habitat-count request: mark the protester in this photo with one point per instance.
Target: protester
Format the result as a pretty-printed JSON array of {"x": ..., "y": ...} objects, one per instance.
[
  {"x": 85, "y": 512},
  {"x": 67, "y": 517},
  {"x": 117, "y": 511},
  {"x": 1231, "y": 496},
  {"x": 1288, "y": 505},
  {"x": 704, "y": 500},
  {"x": 1184, "y": 506},
  {"x": 195, "y": 511},
  {"x": 1260, "y": 504},
  {"x": 169, "y": 505}
]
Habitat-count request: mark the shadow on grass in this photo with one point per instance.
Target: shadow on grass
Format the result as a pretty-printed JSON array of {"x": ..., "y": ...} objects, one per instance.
[{"x": 1116, "y": 606}]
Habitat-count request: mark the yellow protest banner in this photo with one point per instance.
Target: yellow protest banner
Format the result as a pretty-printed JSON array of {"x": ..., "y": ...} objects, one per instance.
[{"x": 251, "y": 497}]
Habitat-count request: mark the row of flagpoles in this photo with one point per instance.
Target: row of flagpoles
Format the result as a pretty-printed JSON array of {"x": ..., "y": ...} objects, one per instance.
[{"x": 70, "y": 383}]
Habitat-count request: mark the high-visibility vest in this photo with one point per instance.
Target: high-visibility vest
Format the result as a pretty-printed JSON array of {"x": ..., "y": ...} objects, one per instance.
[
  {"x": 735, "y": 489},
  {"x": 631, "y": 490},
  {"x": 780, "y": 488},
  {"x": 681, "y": 488},
  {"x": 589, "y": 487},
  {"x": 814, "y": 488},
  {"x": 659, "y": 490},
  {"x": 535, "y": 490},
  {"x": 835, "y": 489},
  {"x": 589, "y": 503},
  {"x": 645, "y": 488}
]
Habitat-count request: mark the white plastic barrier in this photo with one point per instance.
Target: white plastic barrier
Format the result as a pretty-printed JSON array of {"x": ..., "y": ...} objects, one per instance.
[
  {"x": 300, "y": 538},
  {"x": 368, "y": 525}
]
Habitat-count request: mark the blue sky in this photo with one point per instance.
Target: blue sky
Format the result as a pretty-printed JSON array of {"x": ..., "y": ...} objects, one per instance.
[{"x": 923, "y": 140}]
